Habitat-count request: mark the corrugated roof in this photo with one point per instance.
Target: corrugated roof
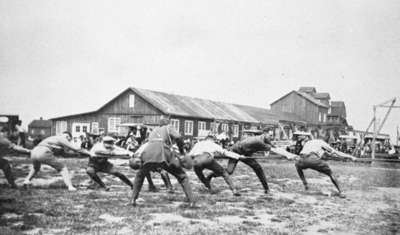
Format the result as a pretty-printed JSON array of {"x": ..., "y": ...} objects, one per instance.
[
  {"x": 40, "y": 123},
  {"x": 195, "y": 107},
  {"x": 185, "y": 106}
]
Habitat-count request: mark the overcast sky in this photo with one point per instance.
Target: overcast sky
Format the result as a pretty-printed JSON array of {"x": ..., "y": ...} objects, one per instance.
[{"x": 65, "y": 57}]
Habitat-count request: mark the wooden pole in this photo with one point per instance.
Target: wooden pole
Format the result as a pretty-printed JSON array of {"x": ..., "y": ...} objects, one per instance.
[
  {"x": 374, "y": 136},
  {"x": 387, "y": 115}
]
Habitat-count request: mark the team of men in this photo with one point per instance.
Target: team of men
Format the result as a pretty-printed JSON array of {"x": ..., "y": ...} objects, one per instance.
[{"x": 158, "y": 155}]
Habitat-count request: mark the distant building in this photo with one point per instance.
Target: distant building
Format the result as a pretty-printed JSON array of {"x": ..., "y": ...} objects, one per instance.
[
  {"x": 304, "y": 104},
  {"x": 321, "y": 114},
  {"x": 336, "y": 119},
  {"x": 39, "y": 128},
  {"x": 190, "y": 116}
]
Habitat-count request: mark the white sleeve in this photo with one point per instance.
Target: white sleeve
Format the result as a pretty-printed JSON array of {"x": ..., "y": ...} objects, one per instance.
[{"x": 230, "y": 154}]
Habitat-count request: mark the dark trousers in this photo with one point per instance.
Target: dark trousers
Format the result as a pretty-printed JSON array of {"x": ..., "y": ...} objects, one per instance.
[
  {"x": 217, "y": 170},
  {"x": 164, "y": 177},
  {"x": 105, "y": 167},
  {"x": 178, "y": 172},
  {"x": 253, "y": 164},
  {"x": 5, "y": 166},
  {"x": 313, "y": 162}
]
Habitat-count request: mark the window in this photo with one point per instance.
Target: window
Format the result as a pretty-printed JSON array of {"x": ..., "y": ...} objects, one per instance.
[
  {"x": 42, "y": 132},
  {"x": 33, "y": 131},
  {"x": 202, "y": 126},
  {"x": 188, "y": 127},
  {"x": 77, "y": 128},
  {"x": 113, "y": 123},
  {"x": 235, "y": 130},
  {"x": 320, "y": 117},
  {"x": 324, "y": 120},
  {"x": 131, "y": 101},
  {"x": 95, "y": 127},
  {"x": 175, "y": 124},
  {"x": 225, "y": 127},
  {"x": 61, "y": 126},
  {"x": 84, "y": 129}
]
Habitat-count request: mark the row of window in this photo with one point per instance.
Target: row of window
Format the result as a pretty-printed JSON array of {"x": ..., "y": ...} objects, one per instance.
[
  {"x": 201, "y": 127},
  {"x": 114, "y": 122}
]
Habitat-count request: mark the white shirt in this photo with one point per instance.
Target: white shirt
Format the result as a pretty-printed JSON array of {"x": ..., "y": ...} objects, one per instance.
[
  {"x": 316, "y": 146},
  {"x": 208, "y": 146}
]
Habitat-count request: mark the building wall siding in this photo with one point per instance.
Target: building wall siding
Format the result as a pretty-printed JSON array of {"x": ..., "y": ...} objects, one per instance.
[
  {"x": 297, "y": 104},
  {"x": 121, "y": 106}
]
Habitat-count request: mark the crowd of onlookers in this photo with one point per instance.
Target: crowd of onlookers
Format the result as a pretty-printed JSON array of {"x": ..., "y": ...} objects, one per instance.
[{"x": 136, "y": 137}]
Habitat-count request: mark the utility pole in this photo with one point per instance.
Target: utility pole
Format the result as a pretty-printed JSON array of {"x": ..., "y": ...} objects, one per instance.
[{"x": 374, "y": 136}]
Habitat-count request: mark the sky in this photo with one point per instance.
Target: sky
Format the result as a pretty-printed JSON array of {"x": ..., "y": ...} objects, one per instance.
[{"x": 66, "y": 57}]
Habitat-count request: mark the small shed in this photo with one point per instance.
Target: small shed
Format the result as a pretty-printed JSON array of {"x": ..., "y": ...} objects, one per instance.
[{"x": 39, "y": 128}]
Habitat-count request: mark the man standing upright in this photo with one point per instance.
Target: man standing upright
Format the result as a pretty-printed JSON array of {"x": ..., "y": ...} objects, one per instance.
[
  {"x": 6, "y": 146},
  {"x": 311, "y": 157},
  {"x": 45, "y": 153},
  {"x": 158, "y": 154}
]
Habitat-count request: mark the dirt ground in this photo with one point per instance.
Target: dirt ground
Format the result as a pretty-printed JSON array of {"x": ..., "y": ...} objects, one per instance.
[{"x": 372, "y": 205}]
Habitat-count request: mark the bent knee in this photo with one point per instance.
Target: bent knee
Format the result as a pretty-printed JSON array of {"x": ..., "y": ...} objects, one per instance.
[{"x": 182, "y": 177}]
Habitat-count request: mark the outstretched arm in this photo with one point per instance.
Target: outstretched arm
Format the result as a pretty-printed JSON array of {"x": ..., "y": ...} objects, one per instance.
[
  {"x": 231, "y": 155},
  {"x": 343, "y": 155},
  {"x": 21, "y": 149},
  {"x": 68, "y": 145},
  {"x": 117, "y": 151},
  {"x": 333, "y": 152},
  {"x": 284, "y": 153}
]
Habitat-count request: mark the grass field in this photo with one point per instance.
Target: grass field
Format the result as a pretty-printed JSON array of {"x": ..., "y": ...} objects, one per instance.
[{"x": 372, "y": 205}]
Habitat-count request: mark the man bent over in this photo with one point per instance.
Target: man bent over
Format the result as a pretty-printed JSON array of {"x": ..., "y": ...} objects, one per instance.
[
  {"x": 203, "y": 154},
  {"x": 45, "y": 153},
  {"x": 311, "y": 157},
  {"x": 98, "y": 161}
]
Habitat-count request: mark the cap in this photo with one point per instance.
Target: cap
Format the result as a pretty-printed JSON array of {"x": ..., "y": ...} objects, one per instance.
[
  {"x": 108, "y": 139},
  {"x": 164, "y": 121}
]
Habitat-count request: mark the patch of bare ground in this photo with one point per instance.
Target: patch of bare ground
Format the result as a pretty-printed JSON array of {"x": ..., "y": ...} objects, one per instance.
[{"x": 371, "y": 206}]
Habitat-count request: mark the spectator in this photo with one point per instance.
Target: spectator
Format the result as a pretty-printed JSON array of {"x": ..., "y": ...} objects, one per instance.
[{"x": 21, "y": 134}]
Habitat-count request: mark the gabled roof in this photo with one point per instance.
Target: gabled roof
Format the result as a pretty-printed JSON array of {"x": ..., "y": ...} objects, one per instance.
[
  {"x": 194, "y": 107},
  {"x": 322, "y": 95},
  {"x": 308, "y": 89},
  {"x": 40, "y": 123},
  {"x": 177, "y": 105},
  {"x": 305, "y": 96}
]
